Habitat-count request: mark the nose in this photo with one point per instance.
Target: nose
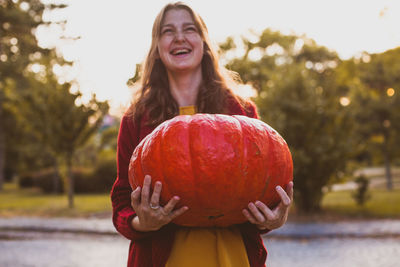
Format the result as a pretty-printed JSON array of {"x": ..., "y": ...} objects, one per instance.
[{"x": 179, "y": 36}]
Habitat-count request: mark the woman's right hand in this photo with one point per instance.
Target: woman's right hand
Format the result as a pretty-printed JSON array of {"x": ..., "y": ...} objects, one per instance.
[{"x": 150, "y": 216}]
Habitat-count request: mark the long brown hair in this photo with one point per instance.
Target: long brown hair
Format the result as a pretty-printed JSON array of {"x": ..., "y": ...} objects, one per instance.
[{"x": 154, "y": 95}]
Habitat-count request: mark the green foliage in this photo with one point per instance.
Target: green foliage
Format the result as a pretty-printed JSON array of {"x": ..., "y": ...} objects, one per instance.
[
  {"x": 60, "y": 125},
  {"x": 19, "y": 52},
  {"x": 299, "y": 97},
  {"x": 330, "y": 112},
  {"x": 376, "y": 106},
  {"x": 50, "y": 122},
  {"x": 135, "y": 77}
]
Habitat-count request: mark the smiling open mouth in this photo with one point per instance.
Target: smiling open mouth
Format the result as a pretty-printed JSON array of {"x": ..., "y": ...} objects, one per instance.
[{"x": 178, "y": 52}]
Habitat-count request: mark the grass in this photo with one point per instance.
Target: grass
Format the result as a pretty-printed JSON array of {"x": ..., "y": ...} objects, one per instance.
[
  {"x": 336, "y": 205},
  {"x": 31, "y": 202},
  {"x": 382, "y": 204}
]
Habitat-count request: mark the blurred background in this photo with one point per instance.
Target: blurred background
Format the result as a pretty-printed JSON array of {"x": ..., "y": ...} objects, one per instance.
[{"x": 324, "y": 74}]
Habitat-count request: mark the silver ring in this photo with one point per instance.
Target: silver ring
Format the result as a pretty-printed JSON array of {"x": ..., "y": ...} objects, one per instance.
[{"x": 154, "y": 207}]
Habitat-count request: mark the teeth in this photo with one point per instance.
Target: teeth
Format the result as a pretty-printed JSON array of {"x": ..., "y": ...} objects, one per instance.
[{"x": 180, "y": 51}]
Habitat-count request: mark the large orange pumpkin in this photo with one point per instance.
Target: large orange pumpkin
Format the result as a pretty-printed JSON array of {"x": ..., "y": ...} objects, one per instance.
[{"x": 216, "y": 164}]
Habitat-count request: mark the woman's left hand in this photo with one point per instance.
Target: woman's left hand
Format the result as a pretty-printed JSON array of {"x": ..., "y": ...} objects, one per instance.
[{"x": 263, "y": 217}]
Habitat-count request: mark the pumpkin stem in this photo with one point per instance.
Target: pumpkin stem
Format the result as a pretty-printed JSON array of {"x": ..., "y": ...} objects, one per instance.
[{"x": 215, "y": 217}]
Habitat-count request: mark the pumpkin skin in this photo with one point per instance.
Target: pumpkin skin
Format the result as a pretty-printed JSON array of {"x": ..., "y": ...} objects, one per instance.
[{"x": 216, "y": 164}]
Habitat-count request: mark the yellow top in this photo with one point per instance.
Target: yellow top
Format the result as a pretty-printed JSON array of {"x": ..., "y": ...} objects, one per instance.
[
  {"x": 187, "y": 110},
  {"x": 211, "y": 247}
]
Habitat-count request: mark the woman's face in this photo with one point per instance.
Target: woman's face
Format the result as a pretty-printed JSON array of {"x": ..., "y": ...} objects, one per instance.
[{"x": 180, "y": 46}]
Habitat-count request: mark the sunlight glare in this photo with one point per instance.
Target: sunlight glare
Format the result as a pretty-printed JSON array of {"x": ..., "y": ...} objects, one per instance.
[
  {"x": 246, "y": 91},
  {"x": 36, "y": 68},
  {"x": 24, "y": 6},
  {"x": 3, "y": 58},
  {"x": 256, "y": 54},
  {"x": 344, "y": 101},
  {"x": 13, "y": 41},
  {"x": 298, "y": 45},
  {"x": 274, "y": 49},
  {"x": 390, "y": 92}
]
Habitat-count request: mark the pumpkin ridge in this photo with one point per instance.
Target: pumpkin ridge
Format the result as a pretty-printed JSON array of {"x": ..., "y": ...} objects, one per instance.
[
  {"x": 140, "y": 167},
  {"x": 270, "y": 158},
  {"x": 192, "y": 156},
  {"x": 273, "y": 150},
  {"x": 244, "y": 166},
  {"x": 193, "y": 185},
  {"x": 165, "y": 189}
]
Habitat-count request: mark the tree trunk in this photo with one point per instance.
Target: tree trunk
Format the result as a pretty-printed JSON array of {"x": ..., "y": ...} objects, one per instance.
[
  {"x": 70, "y": 180},
  {"x": 308, "y": 203},
  {"x": 388, "y": 172},
  {"x": 56, "y": 178},
  {"x": 2, "y": 143},
  {"x": 386, "y": 156}
]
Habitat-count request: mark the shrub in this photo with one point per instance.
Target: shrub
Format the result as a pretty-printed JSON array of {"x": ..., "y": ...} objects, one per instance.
[
  {"x": 99, "y": 180},
  {"x": 25, "y": 181},
  {"x": 43, "y": 179},
  {"x": 361, "y": 195}
]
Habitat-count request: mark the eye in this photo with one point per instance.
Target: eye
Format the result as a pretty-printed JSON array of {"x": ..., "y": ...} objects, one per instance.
[
  {"x": 191, "y": 29},
  {"x": 166, "y": 31}
]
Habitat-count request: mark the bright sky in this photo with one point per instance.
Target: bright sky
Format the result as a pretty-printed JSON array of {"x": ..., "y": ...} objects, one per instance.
[{"x": 115, "y": 35}]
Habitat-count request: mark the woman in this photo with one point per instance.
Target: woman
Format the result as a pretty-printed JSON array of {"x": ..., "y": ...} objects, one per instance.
[{"x": 181, "y": 75}]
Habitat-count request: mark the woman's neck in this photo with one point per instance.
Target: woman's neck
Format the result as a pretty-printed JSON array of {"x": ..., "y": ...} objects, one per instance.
[{"x": 185, "y": 87}]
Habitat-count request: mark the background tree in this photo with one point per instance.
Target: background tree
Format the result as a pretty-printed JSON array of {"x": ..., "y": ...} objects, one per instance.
[
  {"x": 18, "y": 52},
  {"x": 51, "y": 122},
  {"x": 377, "y": 106},
  {"x": 297, "y": 94},
  {"x": 63, "y": 126}
]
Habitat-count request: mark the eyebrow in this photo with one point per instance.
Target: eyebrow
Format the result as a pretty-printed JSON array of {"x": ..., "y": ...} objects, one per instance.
[{"x": 184, "y": 24}]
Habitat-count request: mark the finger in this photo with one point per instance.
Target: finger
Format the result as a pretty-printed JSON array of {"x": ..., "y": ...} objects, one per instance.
[
  {"x": 285, "y": 199},
  {"x": 146, "y": 189},
  {"x": 255, "y": 212},
  {"x": 249, "y": 217},
  {"x": 267, "y": 212},
  {"x": 171, "y": 204},
  {"x": 135, "y": 197},
  {"x": 178, "y": 212},
  {"x": 155, "y": 197}
]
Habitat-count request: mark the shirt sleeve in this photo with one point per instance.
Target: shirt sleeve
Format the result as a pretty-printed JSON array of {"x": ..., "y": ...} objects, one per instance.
[{"x": 123, "y": 213}]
